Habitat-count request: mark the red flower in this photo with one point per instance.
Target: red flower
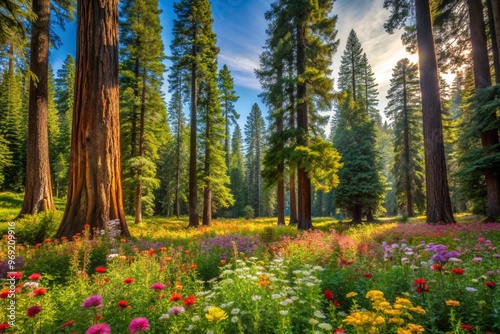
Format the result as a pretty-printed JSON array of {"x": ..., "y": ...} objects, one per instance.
[
  {"x": 458, "y": 271},
  {"x": 106, "y": 279},
  {"x": 328, "y": 295},
  {"x": 346, "y": 263},
  {"x": 152, "y": 251},
  {"x": 421, "y": 285},
  {"x": 175, "y": 296},
  {"x": 67, "y": 324},
  {"x": 490, "y": 284},
  {"x": 336, "y": 303},
  {"x": 100, "y": 270},
  {"x": 193, "y": 266},
  {"x": 38, "y": 245},
  {"x": 14, "y": 275},
  {"x": 98, "y": 317},
  {"x": 34, "y": 277},
  {"x": 3, "y": 327},
  {"x": 39, "y": 292},
  {"x": 189, "y": 301},
  {"x": 437, "y": 267},
  {"x": 368, "y": 275},
  {"x": 122, "y": 304},
  {"x": 467, "y": 328},
  {"x": 33, "y": 311},
  {"x": 128, "y": 280},
  {"x": 338, "y": 331},
  {"x": 4, "y": 294}
]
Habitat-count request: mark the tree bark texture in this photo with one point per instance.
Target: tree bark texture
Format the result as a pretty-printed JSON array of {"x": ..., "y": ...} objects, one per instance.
[
  {"x": 193, "y": 177},
  {"x": 409, "y": 195},
  {"x": 142, "y": 124},
  {"x": 304, "y": 212},
  {"x": 94, "y": 191},
  {"x": 280, "y": 190},
  {"x": 438, "y": 196},
  {"x": 482, "y": 79},
  {"x": 38, "y": 191}
]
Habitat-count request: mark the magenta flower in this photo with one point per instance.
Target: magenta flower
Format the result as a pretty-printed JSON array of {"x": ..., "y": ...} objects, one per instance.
[
  {"x": 33, "y": 311},
  {"x": 481, "y": 240},
  {"x": 99, "y": 329},
  {"x": 477, "y": 259},
  {"x": 157, "y": 286},
  {"x": 138, "y": 325},
  {"x": 175, "y": 310},
  {"x": 94, "y": 300}
]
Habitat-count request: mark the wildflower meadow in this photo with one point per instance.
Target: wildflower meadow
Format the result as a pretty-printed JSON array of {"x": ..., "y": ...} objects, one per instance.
[{"x": 254, "y": 277}]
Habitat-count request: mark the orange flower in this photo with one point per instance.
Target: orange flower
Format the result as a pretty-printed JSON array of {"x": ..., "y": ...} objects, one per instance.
[
  {"x": 67, "y": 324},
  {"x": 189, "y": 301},
  {"x": 39, "y": 292},
  {"x": 193, "y": 266},
  {"x": 175, "y": 296},
  {"x": 178, "y": 286}
]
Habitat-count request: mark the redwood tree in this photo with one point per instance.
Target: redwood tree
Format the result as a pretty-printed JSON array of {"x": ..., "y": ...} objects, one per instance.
[
  {"x": 38, "y": 192},
  {"x": 95, "y": 192}
]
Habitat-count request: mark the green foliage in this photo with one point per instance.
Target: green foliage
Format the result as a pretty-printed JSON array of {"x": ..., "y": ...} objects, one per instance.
[
  {"x": 34, "y": 229},
  {"x": 237, "y": 173},
  {"x": 322, "y": 162},
  {"x": 227, "y": 99},
  {"x": 248, "y": 212}
]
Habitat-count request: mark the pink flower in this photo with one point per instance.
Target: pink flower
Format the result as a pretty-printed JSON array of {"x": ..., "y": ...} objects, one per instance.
[
  {"x": 157, "y": 286},
  {"x": 175, "y": 310},
  {"x": 94, "y": 300},
  {"x": 33, "y": 311},
  {"x": 99, "y": 329},
  {"x": 138, "y": 325},
  {"x": 481, "y": 240}
]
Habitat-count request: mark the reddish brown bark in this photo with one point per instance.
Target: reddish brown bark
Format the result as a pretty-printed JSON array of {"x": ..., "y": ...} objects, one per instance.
[
  {"x": 495, "y": 13},
  {"x": 438, "y": 196},
  {"x": 304, "y": 183},
  {"x": 95, "y": 192},
  {"x": 482, "y": 79},
  {"x": 280, "y": 190},
  {"x": 38, "y": 192}
]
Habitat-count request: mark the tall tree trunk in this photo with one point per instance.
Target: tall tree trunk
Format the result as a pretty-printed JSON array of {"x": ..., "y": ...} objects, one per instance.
[
  {"x": 142, "y": 121},
  {"x": 409, "y": 195},
  {"x": 438, "y": 196},
  {"x": 494, "y": 31},
  {"x": 207, "y": 191},
  {"x": 257, "y": 174},
  {"x": 38, "y": 191},
  {"x": 357, "y": 213},
  {"x": 293, "y": 196},
  {"x": 178, "y": 159},
  {"x": 304, "y": 213},
  {"x": 280, "y": 190},
  {"x": 94, "y": 191},
  {"x": 193, "y": 180},
  {"x": 482, "y": 79},
  {"x": 226, "y": 139}
]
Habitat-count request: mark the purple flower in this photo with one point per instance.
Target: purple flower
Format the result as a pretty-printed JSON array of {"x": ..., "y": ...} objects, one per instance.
[
  {"x": 175, "y": 310},
  {"x": 138, "y": 325},
  {"x": 496, "y": 256},
  {"x": 440, "y": 257},
  {"x": 99, "y": 329},
  {"x": 94, "y": 300},
  {"x": 157, "y": 286}
]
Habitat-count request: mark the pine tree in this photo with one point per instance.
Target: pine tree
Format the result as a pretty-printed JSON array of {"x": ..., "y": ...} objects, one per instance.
[
  {"x": 64, "y": 91},
  {"x": 403, "y": 109},
  {"x": 237, "y": 173},
  {"x": 12, "y": 128},
  {"x": 94, "y": 191},
  {"x": 357, "y": 78},
  {"x": 195, "y": 50},
  {"x": 143, "y": 110},
  {"x": 13, "y": 14},
  {"x": 255, "y": 139},
  {"x": 227, "y": 99}
]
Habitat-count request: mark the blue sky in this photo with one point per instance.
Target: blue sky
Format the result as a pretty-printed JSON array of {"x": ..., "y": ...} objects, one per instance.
[{"x": 240, "y": 27}]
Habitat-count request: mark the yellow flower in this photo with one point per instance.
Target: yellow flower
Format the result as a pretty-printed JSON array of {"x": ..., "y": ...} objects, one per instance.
[
  {"x": 216, "y": 314},
  {"x": 453, "y": 303},
  {"x": 404, "y": 302},
  {"x": 374, "y": 294},
  {"x": 417, "y": 309},
  {"x": 351, "y": 294},
  {"x": 415, "y": 328}
]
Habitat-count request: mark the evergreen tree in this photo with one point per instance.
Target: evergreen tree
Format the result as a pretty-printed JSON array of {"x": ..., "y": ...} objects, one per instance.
[
  {"x": 195, "y": 50},
  {"x": 13, "y": 14},
  {"x": 5, "y": 157},
  {"x": 357, "y": 78},
  {"x": 255, "y": 139},
  {"x": 227, "y": 99},
  {"x": 403, "y": 109},
  {"x": 12, "y": 128},
  {"x": 361, "y": 186},
  {"x": 237, "y": 173},
  {"x": 64, "y": 91},
  {"x": 143, "y": 109}
]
